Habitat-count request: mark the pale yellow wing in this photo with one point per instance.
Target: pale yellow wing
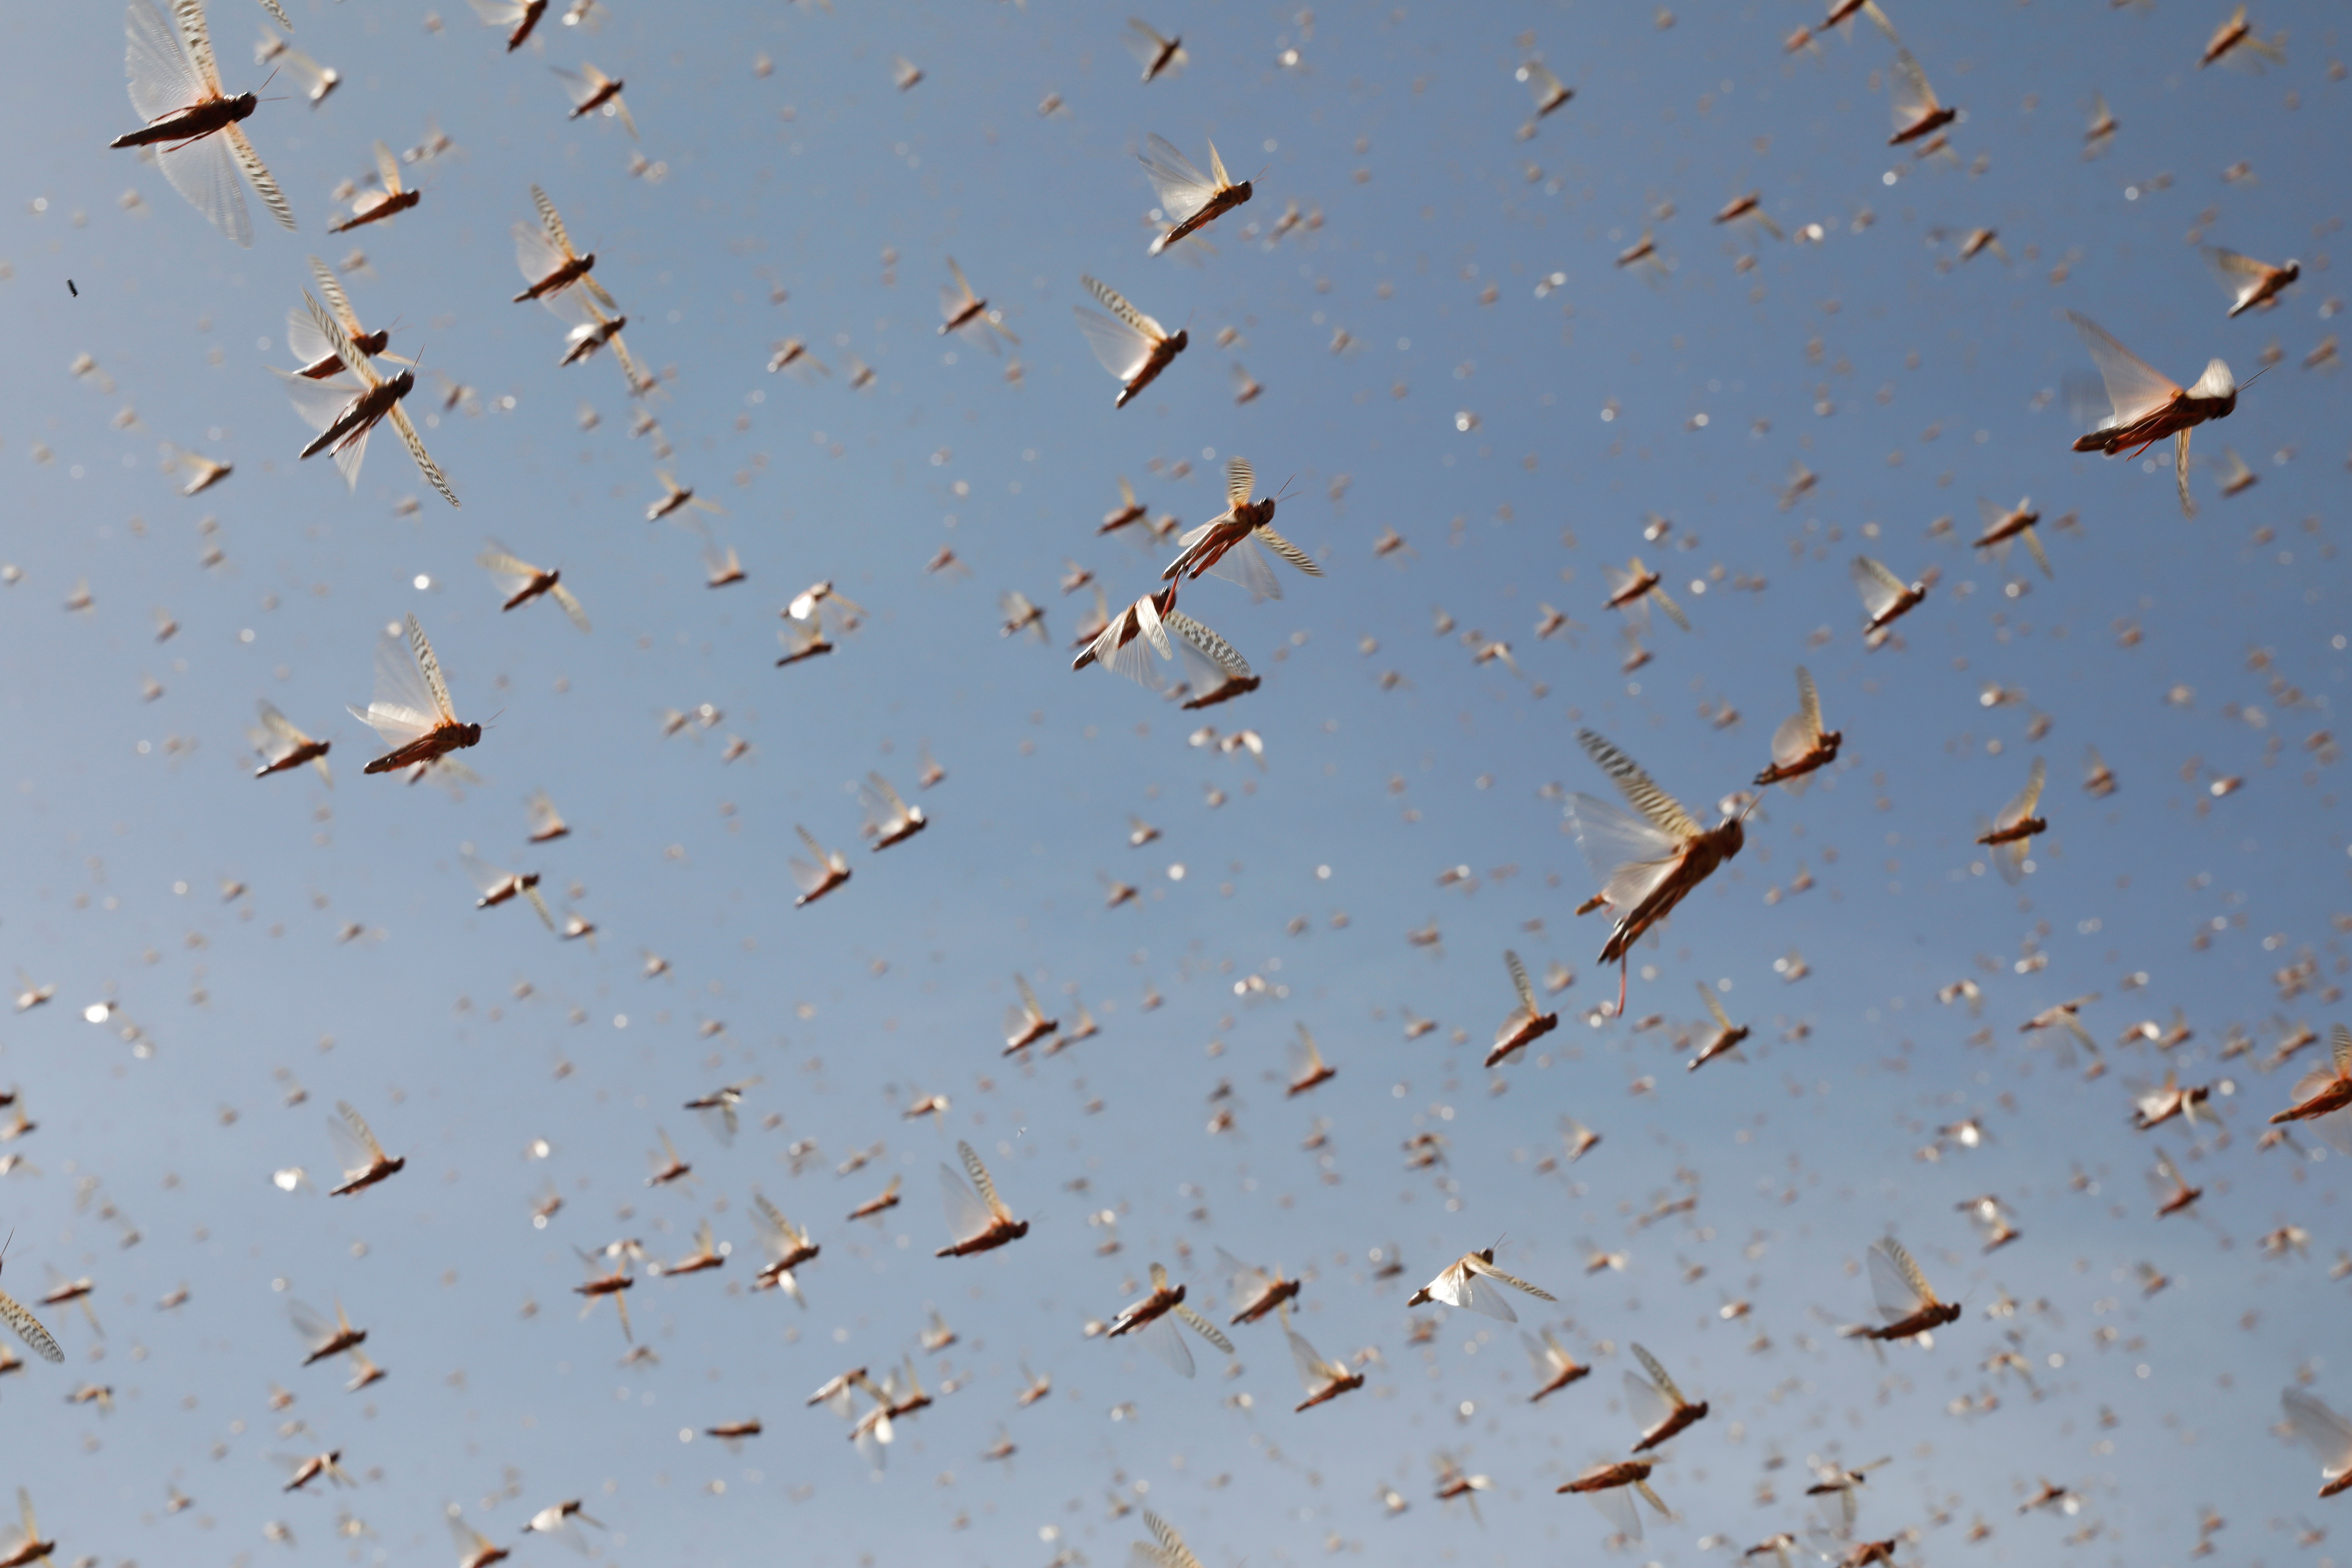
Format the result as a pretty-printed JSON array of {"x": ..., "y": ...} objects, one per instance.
[
  {"x": 190, "y": 15},
  {"x": 980, "y": 1180},
  {"x": 1240, "y": 480},
  {"x": 1520, "y": 980},
  {"x": 1663, "y": 810}
]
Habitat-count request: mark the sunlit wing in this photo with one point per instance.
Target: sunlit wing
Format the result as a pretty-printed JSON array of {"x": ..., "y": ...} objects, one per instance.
[
  {"x": 510, "y": 571},
  {"x": 980, "y": 1180},
  {"x": 967, "y": 1215},
  {"x": 429, "y": 668},
  {"x": 1706, "y": 995},
  {"x": 1245, "y": 564},
  {"x": 1646, "y": 1402},
  {"x": 1892, "y": 1286},
  {"x": 1663, "y": 810},
  {"x": 2134, "y": 388},
  {"x": 1479, "y": 1269},
  {"x": 1911, "y": 98},
  {"x": 190, "y": 15},
  {"x": 1616, "y": 1506},
  {"x": 2320, "y": 1429},
  {"x": 1628, "y": 856},
  {"x": 1183, "y": 190},
  {"x": 1163, "y": 1339},
  {"x": 1315, "y": 1373},
  {"x": 1240, "y": 480},
  {"x": 163, "y": 78},
  {"x": 1120, "y": 348},
  {"x": 1880, "y": 589},
  {"x": 388, "y": 168},
  {"x": 2017, "y": 810},
  {"x": 202, "y": 171},
  {"x": 352, "y": 1156},
  {"x": 1658, "y": 1377}
]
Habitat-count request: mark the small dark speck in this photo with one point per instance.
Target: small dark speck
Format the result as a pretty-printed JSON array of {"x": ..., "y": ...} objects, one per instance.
[{"x": 71, "y": 289}]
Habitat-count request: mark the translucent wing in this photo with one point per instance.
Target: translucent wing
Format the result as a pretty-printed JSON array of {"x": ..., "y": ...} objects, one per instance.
[
  {"x": 535, "y": 257},
  {"x": 2328, "y": 1434},
  {"x": 2340, "y": 1050},
  {"x": 356, "y": 1147},
  {"x": 1802, "y": 731},
  {"x": 267, "y": 188},
  {"x": 1519, "y": 980},
  {"x": 1173, "y": 1550},
  {"x": 1249, "y": 1282},
  {"x": 551, "y": 221},
  {"x": 1660, "y": 808},
  {"x": 1479, "y": 1268},
  {"x": 1121, "y": 348},
  {"x": 416, "y": 444},
  {"x": 980, "y": 1180},
  {"x": 201, "y": 171},
  {"x": 339, "y": 341},
  {"x": 1305, "y": 1058},
  {"x": 429, "y": 669},
  {"x": 315, "y": 1331},
  {"x": 1895, "y": 1282},
  {"x": 510, "y": 571},
  {"x": 1183, "y": 190},
  {"x": 1658, "y": 1378},
  {"x": 1205, "y": 645},
  {"x": 161, "y": 78},
  {"x": 1645, "y": 1403},
  {"x": 2017, "y": 810},
  {"x": 281, "y": 728},
  {"x": 967, "y": 1215},
  {"x": 1541, "y": 82},
  {"x": 1162, "y": 1338},
  {"x": 388, "y": 168},
  {"x": 1665, "y": 601},
  {"x": 402, "y": 708},
  {"x": 29, "y": 1328},
  {"x": 1315, "y": 1373},
  {"x": 1911, "y": 98},
  {"x": 1616, "y": 1506},
  {"x": 1240, "y": 480},
  {"x": 1879, "y": 587},
  {"x": 1245, "y": 564},
  {"x": 1706, "y": 995},
  {"x": 2134, "y": 388},
  {"x": 1474, "y": 1293},
  {"x": 1628, "y": 856}
]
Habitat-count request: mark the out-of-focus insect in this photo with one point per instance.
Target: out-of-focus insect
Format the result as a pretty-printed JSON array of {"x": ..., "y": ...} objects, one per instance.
[
  {"x": 1885, "y": 598},
  {"x": 1526, "y": 1023},
  {"x": 411, "y": 709},
  {"x": 820, "y": 875},
  {"x": 1128, "y": 511},
  {"x": 175, "y": 88},
  {"x": 2010, "y": 836},
  {"x": 2252, "y": 285},
  {"x": 1227, "y": 544},
  {"x": 1308, "y": 1068},
  {"x": 345, "y": 412},
  {"x": 787, "y": 1247},
  {"x": 521, "y": 16},
  {"x": 2004, "y": 523},
  {"x": 905, "y": 72},
  {"x": 887, "y": 1198},
  {"x": 1158, "y": 57},
  {"x": 1025, "y": 1022},
  {"x": 1171, "y": 1552},
  {"x": 1323, "y": 1379},
  {"x": 281, "y": 746},
  {"x": 1917, "y": 112},
  {"x": 1726, "y": 1036},
  {"x": 521, "y": 582},
  {"x": 590, "y": 90},
  {"x": 1452, "y": 1483},
  {"x": 1800, "y": 744},
  {"x": 967, "y": 315},
  {"x": 2097, "y": 777},
  {"x": 1991, "y": 1219},
  {"x": 1635, "y": 587},
  {"x": 309, "y": 1467},
  {"x": 45, "y": 1345},
  {"x": 1155, "y": 1317},
  {"x": 888, "y": 819},
  {"x": 321, "y": 1339},
  {"x": 706, "y": 1254},
  {"x": 475, "y": 1549},
  {"x": 2154, "y": 1107},
  {"x": 1748, "y": 209},
  {"x": 1610, "y": 1486},
  {"x": 720, "y": 1109},
  {"x": 1246, "y": 386},
  {"x": 2173, "y": 1193},
  {"x": 1034, "y": 1387},
  {"x": 556, "y": 1519},
  {"x": 379, "y": 207},
  {"x": 2101, "y": 133},
  {"x": 2328, "y": 1434},
  {"x": 207, "y": 472},
  {"x": 1131, "y": 346},
  {"x": 1256, "y": 1292},
  {"x": 613, "y": 1282},
  {"x": 2324, "y": 1095},
  {"x": 2144, "y": 407},
  {"x": 1021, "y": 616},
  {"x": 1473, "y": 1283},
  {"x": 357, "y": 1153},
  {"x": 1657, "y": 1403},
  {"x": 1904, "y": 1297},
  {"x": 497, "y": 886},
  {"x": 2236, "y": 33},
  {"x": 1548, "y": 90},
  {"x": 978, "y": 1224},
  {"x": 547, "y": 825},
  {"x": 2236, "y": 477},
  {"x": 1555, "y": 1368},
  {"x": 1189, "y": 200},
  {"x": 802, "y": 640},
  {"x": 674, "y": 496},
  {"x": 1647, "y": 864},
  {"x": 722, "y": 567}
]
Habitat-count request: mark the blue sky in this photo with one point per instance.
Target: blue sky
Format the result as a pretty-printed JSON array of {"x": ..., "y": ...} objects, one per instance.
[{"x": 1516, "y": 407}]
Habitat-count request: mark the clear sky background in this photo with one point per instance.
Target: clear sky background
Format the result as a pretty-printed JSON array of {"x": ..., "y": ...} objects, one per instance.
[{"x": 1514, "y": 407}]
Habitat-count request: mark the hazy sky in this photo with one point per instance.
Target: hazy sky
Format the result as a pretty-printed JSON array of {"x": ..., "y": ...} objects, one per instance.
[{"x": 1516, "y": 407}]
